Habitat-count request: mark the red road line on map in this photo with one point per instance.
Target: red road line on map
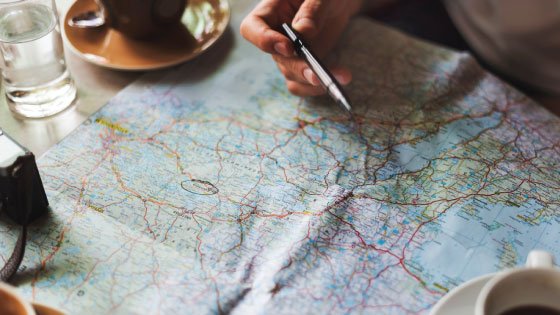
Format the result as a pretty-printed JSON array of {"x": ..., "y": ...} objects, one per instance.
[
  {"x": 54, "y": 251},
  {"x": 99, "y": 261},
  {"x": 170, "y": 227},
  {"x": 126, "y": 296},
  {"x": 397, "y": 125},
  {"x": 148, "y": 225},
  {"x": 128, "y": 255}
]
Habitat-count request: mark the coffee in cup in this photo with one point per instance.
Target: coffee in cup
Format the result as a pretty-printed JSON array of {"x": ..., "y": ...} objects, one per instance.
[
  {"x": 534, "y": 289},
  {"x": 142, "y": 19}
]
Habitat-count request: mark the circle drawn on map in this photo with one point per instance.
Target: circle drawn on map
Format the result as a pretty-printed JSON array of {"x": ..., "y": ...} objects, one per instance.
[{"x": 199, "y": 187}]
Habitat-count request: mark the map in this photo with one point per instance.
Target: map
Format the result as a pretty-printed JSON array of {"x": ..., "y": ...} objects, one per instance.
[{"x": 217, "y": 191}]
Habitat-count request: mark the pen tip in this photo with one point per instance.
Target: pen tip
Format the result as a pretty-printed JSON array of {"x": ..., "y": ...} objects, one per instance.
[{"x": 346, "y": 105}]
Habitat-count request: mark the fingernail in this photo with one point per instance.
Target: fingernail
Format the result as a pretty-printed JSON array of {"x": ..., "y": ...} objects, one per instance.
[
  {"x": 341, "y": 79},
  {"x": 282, "y": 50},
  {"x": 304, "y": 22},
  {"x": 308, "y": 74}
]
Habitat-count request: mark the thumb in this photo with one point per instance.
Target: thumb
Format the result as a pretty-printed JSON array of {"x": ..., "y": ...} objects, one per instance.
[{"x": 310, "y": 18}]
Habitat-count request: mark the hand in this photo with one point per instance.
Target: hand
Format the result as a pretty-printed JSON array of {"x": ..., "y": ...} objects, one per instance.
[{"x": 320, "y": 23}]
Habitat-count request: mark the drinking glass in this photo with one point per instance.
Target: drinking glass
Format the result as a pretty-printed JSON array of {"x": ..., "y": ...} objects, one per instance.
[{"x": 34, "y": 74}]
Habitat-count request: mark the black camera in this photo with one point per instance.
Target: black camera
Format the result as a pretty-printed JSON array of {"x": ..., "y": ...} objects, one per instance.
[{"x": 22, "y": 196}]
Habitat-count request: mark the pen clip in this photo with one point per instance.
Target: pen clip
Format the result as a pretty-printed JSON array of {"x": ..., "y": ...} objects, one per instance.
[
  {"x": 327, "y": 80},
  {"x": 296, "y": 39}
]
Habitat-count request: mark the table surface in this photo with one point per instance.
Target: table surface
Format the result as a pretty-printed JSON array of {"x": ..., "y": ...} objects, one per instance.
[{"x": 96, "y": 85}]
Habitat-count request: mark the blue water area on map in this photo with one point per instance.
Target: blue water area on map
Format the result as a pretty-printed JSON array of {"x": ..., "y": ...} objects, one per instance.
[
  {"x": 463, "y": 242},
  {"x": 411, "y": 158}
]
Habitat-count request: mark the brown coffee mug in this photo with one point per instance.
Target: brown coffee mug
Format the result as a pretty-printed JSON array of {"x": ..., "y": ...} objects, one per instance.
[
  {"x": 12, "y": 302},
  {"x": 142, "y": 18}
]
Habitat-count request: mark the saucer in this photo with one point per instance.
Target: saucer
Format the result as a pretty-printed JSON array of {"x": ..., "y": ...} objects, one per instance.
[
  {"x": 461, "y": 300},
  {"x": 203, "y": 22},
  {"x": 42, "y": 309}
]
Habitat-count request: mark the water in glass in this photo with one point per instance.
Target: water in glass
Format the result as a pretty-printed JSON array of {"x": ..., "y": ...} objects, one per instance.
[{"x": 34, "y": 74}]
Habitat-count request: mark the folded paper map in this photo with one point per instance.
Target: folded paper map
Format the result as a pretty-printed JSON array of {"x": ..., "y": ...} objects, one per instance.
[{"x": 216, "y": 191}]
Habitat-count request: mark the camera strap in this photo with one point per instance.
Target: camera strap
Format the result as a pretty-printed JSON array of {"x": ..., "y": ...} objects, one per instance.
[
  {"x": 21, "y": 173},
  {"x": 12, "y": 264}
]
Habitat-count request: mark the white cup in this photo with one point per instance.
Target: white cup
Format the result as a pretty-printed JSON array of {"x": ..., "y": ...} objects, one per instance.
[
  {"x": 12, "y": 302},
  {"x": 535, "y": 285}
]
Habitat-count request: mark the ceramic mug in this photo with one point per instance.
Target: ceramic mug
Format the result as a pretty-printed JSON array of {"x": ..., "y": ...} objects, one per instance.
[
  {"x": 523, "y": 290},
  {"x": 12, "y": 302},
  {"x": 141, "y": 19}
]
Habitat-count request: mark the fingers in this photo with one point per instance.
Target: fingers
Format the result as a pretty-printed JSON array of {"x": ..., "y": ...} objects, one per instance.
[
  {"x": 302, "y": 81},
  {"x": 296, "y": 69},
  {"x": 311, "y": 17},
  {"x": 293, "y": 69},
  {"x": 259, "y": 27},
  {"x": 256, "y": 31},
  {"x": 298, "y": 88}
]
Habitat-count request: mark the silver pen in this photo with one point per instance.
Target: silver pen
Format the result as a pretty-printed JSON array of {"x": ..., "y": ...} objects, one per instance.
[{"x": 328, "y": 81}]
